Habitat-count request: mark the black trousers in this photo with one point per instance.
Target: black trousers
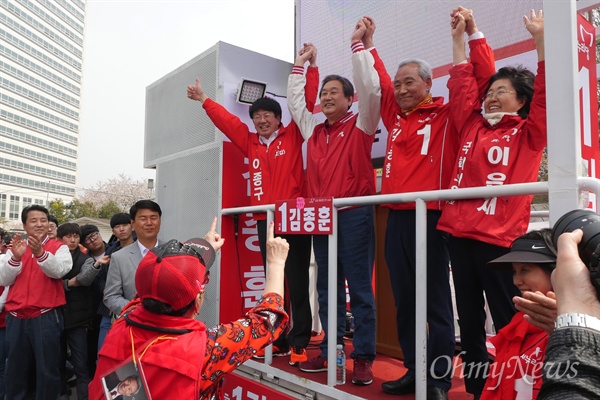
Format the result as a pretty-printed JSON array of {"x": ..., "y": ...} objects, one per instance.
[
  {"x": 472, "y": 276},
  {"x": 296, "y": 274}
]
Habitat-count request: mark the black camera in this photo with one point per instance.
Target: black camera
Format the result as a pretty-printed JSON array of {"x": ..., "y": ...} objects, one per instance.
[{"x": 589, "y": 247}]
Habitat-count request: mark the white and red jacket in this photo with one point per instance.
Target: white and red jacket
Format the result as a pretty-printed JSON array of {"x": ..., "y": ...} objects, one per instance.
[
  {"x": 276, "y": 169},
  {"x": 35, "y": 282},
  {"x": 339, "y": 154},
  {"x": 421, "y": 148},
  {"x": 508, "y": 152},
  {"x": 516, "y": 373}
]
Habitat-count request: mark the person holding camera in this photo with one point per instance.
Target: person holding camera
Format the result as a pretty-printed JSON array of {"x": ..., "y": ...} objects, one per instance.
[{"x": 572, "y": 365}]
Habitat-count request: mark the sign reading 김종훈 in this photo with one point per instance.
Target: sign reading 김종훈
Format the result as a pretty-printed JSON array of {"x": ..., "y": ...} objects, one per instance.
[{"x": 304, "y": 216}]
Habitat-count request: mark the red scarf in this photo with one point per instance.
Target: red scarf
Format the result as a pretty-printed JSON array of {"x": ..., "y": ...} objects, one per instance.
[
  {"x": 427, "y": 100},
  {"x": 509, "y": 365}
]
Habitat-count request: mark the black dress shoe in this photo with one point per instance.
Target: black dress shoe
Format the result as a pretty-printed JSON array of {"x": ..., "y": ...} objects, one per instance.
[
  {"x": 436, "y": 393},
  {"x": 404, "y": 385}
]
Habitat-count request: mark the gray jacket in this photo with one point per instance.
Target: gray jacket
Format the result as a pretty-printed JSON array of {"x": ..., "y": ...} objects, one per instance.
[{"x": 120, "y": 282}]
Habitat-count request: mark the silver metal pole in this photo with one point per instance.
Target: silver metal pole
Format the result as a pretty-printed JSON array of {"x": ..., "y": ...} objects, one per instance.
[
  {"x": 269, "y": 348},
  {"x": 332, "y": 299},
  {"x": 421, "y": 300}
]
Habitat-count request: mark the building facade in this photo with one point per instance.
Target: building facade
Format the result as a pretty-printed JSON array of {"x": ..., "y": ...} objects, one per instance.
[{"x": 41, "y": 58}]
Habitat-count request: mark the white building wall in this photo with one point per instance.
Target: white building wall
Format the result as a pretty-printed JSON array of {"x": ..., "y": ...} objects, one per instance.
[{"x": 41, "y": 52}]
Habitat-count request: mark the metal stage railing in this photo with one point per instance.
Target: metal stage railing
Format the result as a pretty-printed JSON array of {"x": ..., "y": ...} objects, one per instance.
[{"x": 421, "y": 199}]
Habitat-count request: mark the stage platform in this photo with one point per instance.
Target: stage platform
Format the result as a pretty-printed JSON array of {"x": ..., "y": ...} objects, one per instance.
[{"x": 313, "y": 385}]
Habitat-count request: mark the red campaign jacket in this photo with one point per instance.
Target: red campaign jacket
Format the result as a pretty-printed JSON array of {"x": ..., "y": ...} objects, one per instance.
[
  {"x": 520, "y": 350},
  {"x": 509, "y": 152},
  {"x": 33, "y": 290},
  {"x": 421, "y": 146},
  {"x": 276, "y": 171},
  {"x": 339, "y": 160},
  {"x": 190, "y": 365},
  {"x": 339, "y": 154}
]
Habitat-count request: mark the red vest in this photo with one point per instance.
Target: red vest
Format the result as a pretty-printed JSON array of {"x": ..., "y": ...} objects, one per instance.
[
  {"x": 172, "y": 365},
  {"x": 33, "y": 290}
]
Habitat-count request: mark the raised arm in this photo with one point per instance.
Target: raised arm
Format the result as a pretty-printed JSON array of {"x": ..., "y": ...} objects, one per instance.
[
  {"x": 226, "y": 122},
  {"x": 90, "y": 270},
  {"x": 535, "y": 26},
  {"x": 389, "y": 107},
  {"x": 481, "y": 54},
  {"x": 458, "y": 25},
  {"x": 366, "y": 80},
  {"x": 10, "y": 263},
  {"x": 536, "y": 120},
  {"x": 113, "y": 291},
  {"x": 296, "y": 97},
  {"x": 312, "y": 80}
]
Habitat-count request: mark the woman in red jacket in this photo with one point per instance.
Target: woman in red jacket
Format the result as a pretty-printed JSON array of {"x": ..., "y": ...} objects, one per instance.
[
  {"x": 179, "y": 357},
  {"x": 503, "y": 146}
]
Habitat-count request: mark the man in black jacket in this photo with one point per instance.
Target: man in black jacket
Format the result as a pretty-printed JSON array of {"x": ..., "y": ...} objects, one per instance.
[{"x": 79, "y": 310}]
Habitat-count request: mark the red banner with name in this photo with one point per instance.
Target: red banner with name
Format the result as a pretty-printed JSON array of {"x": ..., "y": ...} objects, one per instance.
[
  {"x": 588, "y": 99},
  {"x": 242, "y": 277},
  {"x": 304, "y": 216}
]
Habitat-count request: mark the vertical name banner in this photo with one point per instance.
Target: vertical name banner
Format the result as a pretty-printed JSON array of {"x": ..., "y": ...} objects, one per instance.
[
  {"x": 304, "y": 216},
  {"x": 588, "y": 99},
  {"x": 242, "y": 274}
]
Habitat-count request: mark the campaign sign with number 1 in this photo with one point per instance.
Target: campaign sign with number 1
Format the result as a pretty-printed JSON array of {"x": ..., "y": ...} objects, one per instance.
[{"x": 304, "y": 216}]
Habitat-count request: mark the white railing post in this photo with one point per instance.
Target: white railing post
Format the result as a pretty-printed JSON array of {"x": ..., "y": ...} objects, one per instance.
[
  {"x": 332, "y": 298},
  {"x": 562, "y": 106},
  {"x": 421, "y": 300}
]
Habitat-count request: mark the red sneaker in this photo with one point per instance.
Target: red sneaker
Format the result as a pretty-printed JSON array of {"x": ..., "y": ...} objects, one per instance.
[
  {"x": 363, "y": 375},
  {"x": 298, "y": 355},
  {"x": 317, "y": 364}
]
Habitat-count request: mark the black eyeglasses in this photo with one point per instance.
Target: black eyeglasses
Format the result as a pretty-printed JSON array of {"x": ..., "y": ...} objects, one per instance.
[{"x": 91, "y": 237}]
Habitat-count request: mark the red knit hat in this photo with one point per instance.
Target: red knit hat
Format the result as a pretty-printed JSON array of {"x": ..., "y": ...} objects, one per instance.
[{"x": 174, "y": 273}]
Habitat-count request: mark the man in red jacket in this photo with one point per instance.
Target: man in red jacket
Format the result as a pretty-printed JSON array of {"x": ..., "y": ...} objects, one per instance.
[
  {"x": 34, "y": 268},
  {"x": 339, "y": 165},
  {"x": 274, "y": 152},
  {"x": 419, "y": 157}
]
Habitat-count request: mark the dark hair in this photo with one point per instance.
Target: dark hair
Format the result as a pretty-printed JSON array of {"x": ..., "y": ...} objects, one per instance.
[
  {"x": 265, "y": 104},
  {"x": 144, "y": 205},
  {"x": 139, "y": 384},
  {"x": 347, "y": 86},
  {"x": 158, "y": 307},
  {"x": 52, "y": 218},
  {"x": 2, "y": 234},
  {"x": 522, "y": 81},
  {"x": 120, "y": 219},
  {"x": 544, "y": 235},
  {"x": 87, "y": 230},
  {"x": 67, "y": 229},
  {"x": 33, "y": 207}
]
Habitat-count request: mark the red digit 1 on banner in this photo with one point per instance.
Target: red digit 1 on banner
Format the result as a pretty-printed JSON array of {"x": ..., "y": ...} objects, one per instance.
[{"x": 303, "y": 216}]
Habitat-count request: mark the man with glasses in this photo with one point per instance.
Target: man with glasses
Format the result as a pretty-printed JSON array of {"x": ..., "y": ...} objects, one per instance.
[
  {"x": 52, "y": 226},
  {"x": 274, "y": 152}
]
